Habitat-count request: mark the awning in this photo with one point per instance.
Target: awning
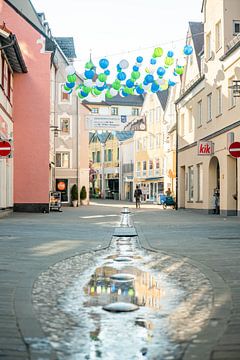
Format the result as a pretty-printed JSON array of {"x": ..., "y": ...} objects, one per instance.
[
  {"x": 154, "y": 178},
  {"x": 13, "y": 53}
]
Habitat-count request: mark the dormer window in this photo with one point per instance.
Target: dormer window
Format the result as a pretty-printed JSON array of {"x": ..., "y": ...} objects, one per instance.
[{"x": 236, "y": 27}]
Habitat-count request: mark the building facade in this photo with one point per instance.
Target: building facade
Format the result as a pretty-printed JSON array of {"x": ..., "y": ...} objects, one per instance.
[{"x": 208, "y": 113}]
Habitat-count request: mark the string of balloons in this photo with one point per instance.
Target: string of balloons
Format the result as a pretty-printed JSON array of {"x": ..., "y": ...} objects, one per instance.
[{"x": 162, "y": 72}]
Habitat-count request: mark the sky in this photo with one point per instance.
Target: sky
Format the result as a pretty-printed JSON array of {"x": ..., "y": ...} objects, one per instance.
[{"x": 120, "y": 29}]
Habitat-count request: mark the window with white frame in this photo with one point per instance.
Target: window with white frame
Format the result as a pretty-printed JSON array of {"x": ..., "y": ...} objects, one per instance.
[
  {"x": 219, "y": 100},
  {"x": 199, "y": 113},
  {"x": 182, "y": 125},
  {"x": 236, "y": 27},
  {"x": 190, "y": 183},
  {"x": 144, "y": 167},
  {"x": 199, "y": 182},
  {"x": 150, "y": 167},
  {"x": 231, "y": 98},
  {"x": 114, "y": 110},
  {"x": 138, "y": 172},
  {"x": 218, "y": 35},
  {"x": 93, "y": 156},
  {"x": 190, "y": 120},
  {"x": 65, "y": 125},
  {"x": 95, "y": 110},
  {"x": 63, "y": 159},
  {"x": 135, "y": 111},
  {"x": 65, "y": 97},
  {"x": 209, "y": 107},
  {"x": 208, "y": 46},
  {"x": 157, "y": 166},
  {"x": 98, "y": 160}
]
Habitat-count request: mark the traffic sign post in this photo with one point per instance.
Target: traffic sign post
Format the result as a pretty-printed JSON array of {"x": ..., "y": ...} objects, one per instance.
[
  {"x": 234, "y": 149},
  {"x": 5, "y": 148}
]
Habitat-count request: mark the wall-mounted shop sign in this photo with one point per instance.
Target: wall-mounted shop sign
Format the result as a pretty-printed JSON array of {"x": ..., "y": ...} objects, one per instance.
[{"x": 205, "y": 148}]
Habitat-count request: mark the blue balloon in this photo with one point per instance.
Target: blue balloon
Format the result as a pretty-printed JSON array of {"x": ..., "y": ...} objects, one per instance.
[
  {"x": 83, "y": 94},
  {"x": 121, "y": 76},
  {"x": 139, "y": 59},
  {"x": 170, "y": 54},
  {"x": 187, "y": 49},
  {"x": 70, "y": 85},
  {"x": 103, "y": 63},
  {"x": 100, "y": 88},
  {"x": 119, "y": 67},
  {"x": 161, "y": 71},
  {"x": 153, "y": 61},
  {"x": 154, "y": 87},
  {"x": 129, "y": 83},
  {"x": 135, "y": 68},
  {"x": 124, "y": 94},
  {"x": 139, "y": 90},
  {"x": 145, "y": 82},
  {"x": 89, "y": 74},
  {"x": 171, "y": 83},
  {"x": 107, "y": 72},
  {"x": 149, "y": 78}
]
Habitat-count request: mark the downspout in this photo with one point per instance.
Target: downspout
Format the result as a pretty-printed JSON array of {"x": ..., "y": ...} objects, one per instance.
[{"x": 176, "y": 156}]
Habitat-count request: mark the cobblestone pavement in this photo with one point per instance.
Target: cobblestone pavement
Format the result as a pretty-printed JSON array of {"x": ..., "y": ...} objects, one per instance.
[{"x": 30, "y": 243}]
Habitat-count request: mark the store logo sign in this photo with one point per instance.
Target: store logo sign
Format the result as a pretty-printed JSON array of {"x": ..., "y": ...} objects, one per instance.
[{"x": 205, "y": 148}]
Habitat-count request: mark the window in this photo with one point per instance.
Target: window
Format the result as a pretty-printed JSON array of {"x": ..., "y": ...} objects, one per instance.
[
  {"x": 190, "y": 183},
  {"x": 231, "y": 98},
  {"x": 109, "y": 152},
  {"x": 218, "y": 36},
  {"x": 199, "y": 182},
  {"x": 138, "y": 173},
  {"x": 236, "y": 27},
  {"x": 144, "y": 167},
  {"x": 151, "y": 141},
  {"x": 135, "y": 111},
  {"x": 114, "y": 110},
  {"x": 145, "y": 143},
  {"x": 208, "y": 46},
  {"x": 157, "y": 167},
  {"x": 93, "y": 157},
  {"x": 95, "y": 110},
  {"x": 150, "y": 167},
  {"x": 9, "y": 83},
  {"x": 65, "y": 97},
  {"x": 190, "y": 120},
  {"x": 209, "y": 107},
  {"x": 65, "y": 125},
  {"x": 199, "y": 113},
  {"x": 118, "y": 152},
  {"x": 158, "y": 140},
  {"x": 219, "y": 100},
  {"x": 63, "y": 159},
  {"x": 3, "y": 71},
  {"x": 98, "y": 157},
  {"x": 105, "y": 155},
  {"x": 138, "y": 145},
  {"x": 182, "y": 125}
]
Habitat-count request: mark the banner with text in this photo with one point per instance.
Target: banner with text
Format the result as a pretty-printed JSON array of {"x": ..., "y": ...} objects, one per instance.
[{"x": 115, "y": 123}]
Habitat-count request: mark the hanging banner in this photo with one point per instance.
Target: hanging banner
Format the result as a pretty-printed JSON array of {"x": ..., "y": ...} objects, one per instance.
[{"x": 115, "y": 123}]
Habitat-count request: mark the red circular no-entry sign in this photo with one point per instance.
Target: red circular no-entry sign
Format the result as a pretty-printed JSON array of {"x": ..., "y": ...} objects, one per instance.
[
  {"x": 5, "y": 148},
  {"x": 234, "y": 149}
]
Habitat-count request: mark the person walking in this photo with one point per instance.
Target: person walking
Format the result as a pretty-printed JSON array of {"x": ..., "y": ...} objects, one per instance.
[{"x": 137, "y": 195}]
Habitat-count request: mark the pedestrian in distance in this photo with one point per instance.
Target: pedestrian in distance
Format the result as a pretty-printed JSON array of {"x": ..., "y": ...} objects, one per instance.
[{"x": 137, "y": 195}]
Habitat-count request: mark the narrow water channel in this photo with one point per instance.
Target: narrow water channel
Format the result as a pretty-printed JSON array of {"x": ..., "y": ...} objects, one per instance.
[{"x": 149, "y": 296}]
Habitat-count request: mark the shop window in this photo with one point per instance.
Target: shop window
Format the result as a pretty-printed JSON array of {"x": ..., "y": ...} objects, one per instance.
[{"x": 63, "y": 159}]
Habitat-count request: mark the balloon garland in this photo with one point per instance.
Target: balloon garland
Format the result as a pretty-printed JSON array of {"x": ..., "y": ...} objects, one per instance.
[{"x": 155, "y": 77}]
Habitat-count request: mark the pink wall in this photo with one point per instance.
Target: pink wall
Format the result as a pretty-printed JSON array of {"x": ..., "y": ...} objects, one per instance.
[{"x": 31, "y": 113}]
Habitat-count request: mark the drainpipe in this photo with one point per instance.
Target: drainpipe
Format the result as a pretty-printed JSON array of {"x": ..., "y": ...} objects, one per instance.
[{"x": 176, "y": 156}]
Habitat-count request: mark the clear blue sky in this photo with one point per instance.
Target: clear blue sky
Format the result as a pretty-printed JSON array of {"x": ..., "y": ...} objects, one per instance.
[{"x": 108, "y": 27}]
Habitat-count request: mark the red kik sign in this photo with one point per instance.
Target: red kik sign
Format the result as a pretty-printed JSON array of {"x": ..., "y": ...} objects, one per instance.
[
  {"x": 205, "y": 148},
  {"x": 234, "y": 149},
  {"x": 5, "y": 148}
]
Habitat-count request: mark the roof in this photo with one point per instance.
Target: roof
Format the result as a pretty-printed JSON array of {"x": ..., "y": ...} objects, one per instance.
[
  {"x": 163, "y": 97},
  {"x": 26, "y": 9},
  {"x": 13, "y": 53},
  {"x": 67, "y": 46},
  {"x": 197, "y": 31},
  {"x": 124, "y": 135}
]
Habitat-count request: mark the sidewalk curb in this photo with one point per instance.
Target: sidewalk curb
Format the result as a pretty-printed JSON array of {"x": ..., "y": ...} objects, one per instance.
[{"x": 201, "y": 347}]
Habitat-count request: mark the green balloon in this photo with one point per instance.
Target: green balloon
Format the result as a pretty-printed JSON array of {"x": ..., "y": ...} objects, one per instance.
[
  {"x": 86, "y": 89},
  {"x": 80, "y": 96},
  {"x": 169, "y": 61},
  {"x": 126, "y": 90},
  {"x": 135, "y": 75},
  {"x": 72, "y": 78},
  {"x": 116, "y": 84},
  {"x": 131, "y": 91},
  {"x": 108, "y": 95},
  {"x": 102, "y": 77},
  {"x": 96, "y": 91},
  {"x": 89, "y": 65},
  {"x": 179, "y": 70},
  {"x": 157, "y": 52},
  {"x": 66, "y": 88}
]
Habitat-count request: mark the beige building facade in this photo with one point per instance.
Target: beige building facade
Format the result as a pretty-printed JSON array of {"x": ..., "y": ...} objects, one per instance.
[{"x": 208, "y": 113}]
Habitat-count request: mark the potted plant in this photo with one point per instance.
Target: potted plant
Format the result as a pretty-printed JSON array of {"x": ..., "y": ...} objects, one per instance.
[
  {"x": 74, "y": 195},
  {"x": 83, "y": 196}
]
